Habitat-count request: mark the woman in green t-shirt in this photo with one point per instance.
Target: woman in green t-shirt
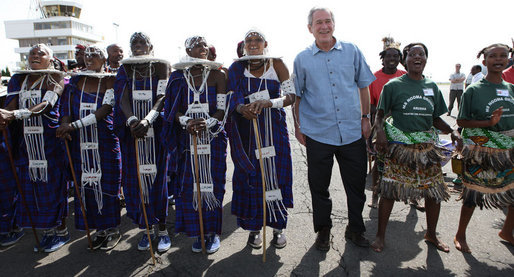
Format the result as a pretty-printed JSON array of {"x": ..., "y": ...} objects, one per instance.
[
  {"x": 412, "y": 163},
  {"x": 487, "y": 115}
]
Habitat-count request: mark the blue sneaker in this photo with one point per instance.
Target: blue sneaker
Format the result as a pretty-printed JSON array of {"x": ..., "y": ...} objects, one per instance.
[
  {"x": 47, "y": 238},
  {"x": 144, "y": 244},
  {"x": 164, "y": 241},
  {"x": 197, "y": 245},
  {"x": 213, "y": 244},
  {"x": 57, "y": 242},
  {"x": 12, "y": 238}
]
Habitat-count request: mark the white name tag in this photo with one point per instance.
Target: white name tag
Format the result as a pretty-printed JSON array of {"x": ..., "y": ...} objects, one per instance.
[
  {"x": 198, "y": 108},
  {"x": 33, "y": 130},
  {"x": 88, "y": 106},
  {"x": 267, "y": 152},
  {"x": 161, "y": 87},
  {"x": 260, "y": 95},
  {"x": 147, "y": 169},
  {"x": 142, "y": 94},
  {"x": 428, "y": 92},
  {"x": 29, "y": 94},
  {"x": 502, "y": 92},
  {"x": 91, "y": 177},
  {"x": 88, "y": 145},
  {"x": 204, "y": 187},
  {"x": 273, "y": 195},
  {"x": 38, "y": 163},
  {"x": 203, "y": 149}
]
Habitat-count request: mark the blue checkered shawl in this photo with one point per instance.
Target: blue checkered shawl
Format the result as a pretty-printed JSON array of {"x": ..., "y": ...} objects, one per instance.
[
  {"x": 110, "y": 160},
  {"x": 157, "y": 209},
  {"x": 8, "y": 190},
  {"x": 177, "y": 139},
  {"x": 247, "y": 184},
  {"x": 47, "y": 202}
]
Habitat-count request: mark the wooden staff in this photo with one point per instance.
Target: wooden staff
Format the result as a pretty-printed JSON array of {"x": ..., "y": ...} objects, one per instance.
[
  {"x": 143, "y": 200},
  {"x": 198, "y": 192},
  {"x": 18, "y": 184},
  {"x": 261, "y": 163},
  {"x": 77, "y": 193}
]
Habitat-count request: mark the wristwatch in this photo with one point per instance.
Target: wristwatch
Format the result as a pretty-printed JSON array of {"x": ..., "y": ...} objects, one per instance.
[{"x": 366, "y": 115}]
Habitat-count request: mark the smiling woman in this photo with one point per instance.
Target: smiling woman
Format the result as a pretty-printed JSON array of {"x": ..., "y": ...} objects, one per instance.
[{"x": 405, "y": 141}]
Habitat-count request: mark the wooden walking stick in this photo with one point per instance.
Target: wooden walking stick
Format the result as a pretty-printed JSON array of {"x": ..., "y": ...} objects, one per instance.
[
  {"x": 261, "y": 163},
  {"x": 18, "y": 184},
  {"x": 77, "y": 193},
  {"x": 198, "y": 192},
  {"x": 143, "y": 201}
]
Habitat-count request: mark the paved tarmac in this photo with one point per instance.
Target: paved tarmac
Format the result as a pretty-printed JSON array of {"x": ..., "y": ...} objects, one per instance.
[{"x": 405, "y": 254}]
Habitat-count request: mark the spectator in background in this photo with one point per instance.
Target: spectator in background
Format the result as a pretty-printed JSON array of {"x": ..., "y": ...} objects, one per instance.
[
  {"x": 114, "y": 56},
  {"x": 456, "y": 87},
  {"x": 79, "y": 56},
  {"x": 476, "y": 70}
]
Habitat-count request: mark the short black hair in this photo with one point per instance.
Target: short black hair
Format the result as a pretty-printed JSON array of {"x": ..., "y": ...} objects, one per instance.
[
  {"x": 477, "y": 67},
  {"x": 486, "y": 50},
  {"x": 407, "y": 49},
  {"x": 382, "y": 54}
]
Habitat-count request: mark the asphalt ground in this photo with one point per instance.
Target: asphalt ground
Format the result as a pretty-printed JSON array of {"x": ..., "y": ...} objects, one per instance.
[{"x": 405, "y": 253}]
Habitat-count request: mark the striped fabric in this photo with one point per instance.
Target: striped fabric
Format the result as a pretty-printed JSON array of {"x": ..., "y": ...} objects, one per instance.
[
  {"x": 157, "y": 208},
  {"x": 110, "y": 160},
  {"x": 47, "y": 202},
  {"x": 8, "y": 190},
  {"x": 247, "y": 184},
  {"x": 177, "y": 138}
]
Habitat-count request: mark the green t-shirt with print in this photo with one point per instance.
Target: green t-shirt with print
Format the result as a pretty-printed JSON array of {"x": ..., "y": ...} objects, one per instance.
[
  {"x": 413, "y": 103},
  {"x": 482, "y": 98}
]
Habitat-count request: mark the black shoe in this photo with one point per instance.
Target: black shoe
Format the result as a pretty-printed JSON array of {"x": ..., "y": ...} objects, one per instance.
[
  {"x": 111, "y": 241},
  {"x": 279, "y": 240},
  {"x": 98, "y": 240},
  {"x": 357, "y": 238},
  {"x": 323, "y": 239},
  {"x": 255, "y": 240}
]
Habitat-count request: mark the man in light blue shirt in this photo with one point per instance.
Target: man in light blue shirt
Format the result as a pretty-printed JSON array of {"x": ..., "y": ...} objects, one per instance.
[{"x": 332, "y": 105}]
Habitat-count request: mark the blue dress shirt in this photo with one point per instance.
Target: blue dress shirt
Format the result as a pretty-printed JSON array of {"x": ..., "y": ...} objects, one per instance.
[{"x": 328, "y": 83}]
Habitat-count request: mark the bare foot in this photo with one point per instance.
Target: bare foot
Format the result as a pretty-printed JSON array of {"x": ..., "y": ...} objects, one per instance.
[
  {"x": 373, "y": 205},
  {"x": 378, "y": 245},
  {"x": 437, "y": 243},
  {"x": 507, "y": 237},
  {"x": 461, "y": 245}
]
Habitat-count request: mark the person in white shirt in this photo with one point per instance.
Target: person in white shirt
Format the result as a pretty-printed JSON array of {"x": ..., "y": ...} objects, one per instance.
[
  {"x": 456, "y": 87},
  {"x": 477, "y": 74}
]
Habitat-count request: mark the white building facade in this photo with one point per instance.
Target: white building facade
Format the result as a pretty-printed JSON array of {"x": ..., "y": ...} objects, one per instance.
[{"x": 59, "y": 27}]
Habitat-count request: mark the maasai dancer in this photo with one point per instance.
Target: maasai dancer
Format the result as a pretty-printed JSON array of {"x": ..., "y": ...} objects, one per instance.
[
  {"x": 261, "y": 87},
  {"x": 487, "y": 115},
  {"x": 412, "y": 163},
  {"x": 87, "y": 120},
  {"x": 195, "y": 108},
  {"x": 33, "y": 103},
  {"x": 139, "y": 91},
  {"x": 114, "y": 56},
  {"x": 391, "y": 56},
  {"x": 10, "y": 232}
]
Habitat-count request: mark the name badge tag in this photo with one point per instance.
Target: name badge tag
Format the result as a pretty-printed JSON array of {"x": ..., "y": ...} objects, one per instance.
[
  {"x": 32, "y": 130},
  {"x": 142, "y": 94},
  {"x": 88, "y": 145},
  {"x": 87, "y": 106},
  {"x": 91, "y": 177},
  {"x": 260, "y": 95},
  {"x": 267, "y": 152},
  {"x": 147, "y": 169},
  {"x": 428, "y": 92},
  {"x": 204, "y": 187},
  {"x": 203, "y": 149},
  {"x": 273, "y": 195},
  {"x": 37, "y": 163},
  {"x": 198, "y": 108},
  {"x": 30, "y": 94},
  {"x": 502, "y": 92}
]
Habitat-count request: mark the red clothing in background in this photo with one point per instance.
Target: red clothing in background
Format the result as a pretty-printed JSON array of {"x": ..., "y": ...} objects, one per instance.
[
  {"x": 508, "y": 75},
  {"x": 376, "y": 87}
]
